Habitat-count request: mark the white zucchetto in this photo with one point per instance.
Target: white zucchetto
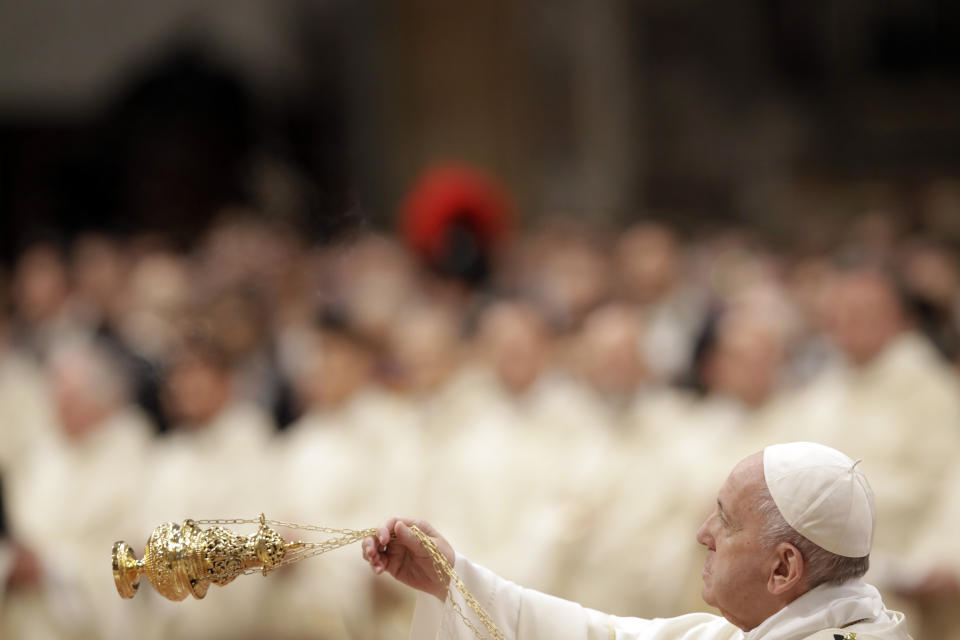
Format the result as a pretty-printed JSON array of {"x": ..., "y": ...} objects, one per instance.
[{"x": 822, "y": 494}]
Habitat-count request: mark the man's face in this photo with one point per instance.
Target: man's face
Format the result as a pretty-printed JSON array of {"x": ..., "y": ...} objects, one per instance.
[
  {"x": 747, "y": 361},
  {"x": 866, "y": 316},
  {"x": 734, "y": 575}
]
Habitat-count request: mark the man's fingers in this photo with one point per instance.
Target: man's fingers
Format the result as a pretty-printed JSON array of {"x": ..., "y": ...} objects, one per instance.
[
  {"x": 392, "y": 542},
  {"x": 369, "y": 550},
  {"x": 369, "y": 547},
  {"x": 383, "y": 531},
  {"x": 372, "y": 554},
  {"x": 425, "y": 527},
  {"x": 409, "y": 539}
]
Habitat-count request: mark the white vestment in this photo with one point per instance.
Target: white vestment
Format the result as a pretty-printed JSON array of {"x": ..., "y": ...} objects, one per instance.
[
  {"x": 524, "y": 614},
  {"x": 27, "y": 420},
  {"x": 71, "y": 498}
]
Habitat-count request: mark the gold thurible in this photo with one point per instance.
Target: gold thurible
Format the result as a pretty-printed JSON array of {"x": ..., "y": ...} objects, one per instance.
[
  {"x": 184, "y": 559},
  {"x": 181, "y": 560}
]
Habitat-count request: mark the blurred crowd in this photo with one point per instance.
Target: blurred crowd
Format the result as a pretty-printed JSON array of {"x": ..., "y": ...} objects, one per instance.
[{"x": 564, "y": 409}]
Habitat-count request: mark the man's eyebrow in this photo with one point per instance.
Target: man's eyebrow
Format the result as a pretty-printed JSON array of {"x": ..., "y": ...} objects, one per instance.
[
  {"x": 725, "y": 516},
  {"x": 723, "y": 512}
]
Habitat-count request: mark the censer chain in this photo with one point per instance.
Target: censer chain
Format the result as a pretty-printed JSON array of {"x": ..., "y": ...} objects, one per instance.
[
  {"x": 302, "y": 550},
  {"x": 296, "y": 551},
  {"x": 289, "y": 525},
  {"x": 447, "y": 574}
]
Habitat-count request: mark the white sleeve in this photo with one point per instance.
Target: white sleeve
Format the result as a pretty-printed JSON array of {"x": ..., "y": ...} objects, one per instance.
[{"x": 524, "y": 614}]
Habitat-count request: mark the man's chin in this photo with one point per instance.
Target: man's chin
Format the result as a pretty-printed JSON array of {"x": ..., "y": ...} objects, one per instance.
[{"x": 707, "y": 594}]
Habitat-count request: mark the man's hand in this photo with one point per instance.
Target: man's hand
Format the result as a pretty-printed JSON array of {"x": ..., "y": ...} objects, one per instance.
[{"x": 397, "y": 550}]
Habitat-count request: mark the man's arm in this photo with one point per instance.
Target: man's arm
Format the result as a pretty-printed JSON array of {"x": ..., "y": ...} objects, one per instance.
[
  {"x": 518, "y": 612},
  {"x": 514, "y": 610}
]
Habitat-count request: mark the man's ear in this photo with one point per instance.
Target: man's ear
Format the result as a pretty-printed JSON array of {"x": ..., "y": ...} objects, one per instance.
[{"x": 788, "y": 570}]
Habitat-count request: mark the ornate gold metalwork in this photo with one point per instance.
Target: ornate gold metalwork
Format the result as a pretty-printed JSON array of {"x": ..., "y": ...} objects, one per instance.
[{"x": 185, "y": 559}]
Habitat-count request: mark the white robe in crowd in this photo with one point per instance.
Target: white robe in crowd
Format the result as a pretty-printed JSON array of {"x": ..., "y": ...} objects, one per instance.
[
  {"x": 71, "y": 499},
  {"x": 343, "y": 468},
  {"x": 937, "y": 547},
  {"x": 221, "y": 469},
  {"x": 517, "y": 466},
  {"x": 523, "y": 614},
  {"x": 26, "y": 414},
  {"x": 214, "y": 470}
]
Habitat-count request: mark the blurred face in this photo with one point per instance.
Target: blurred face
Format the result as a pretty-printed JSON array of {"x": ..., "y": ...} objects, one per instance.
[
  {"x": 932, "y": 274},
  {"x": 40, "y": 284},
  {"x": 239, "y": 325},
  {"x": 810, "y": 287},
  {"x": 647, "y": 261},
  {"x": 337, "y": 371},
  {"x": 196, "y": 390},
  {"x": 99, "y": 272},
  {"x": 609, "y": 350},
  {"x": 747, "y": 362},
  {"x": 574, "y": 278},
  {"x": 157, "y": 292},
  {"x": 734, "y": 575},
  {"x": 78, "y": 409},
  {"x": 86, "y": 386},
  {"x": 866, "y": 316},
  {"x": 375, "y": 278},
  {"x": 423, "y": 350},
  {"x": 514, "y": 341}
]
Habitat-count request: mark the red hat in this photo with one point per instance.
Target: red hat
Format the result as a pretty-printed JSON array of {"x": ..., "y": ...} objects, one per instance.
[{"x": 448, "y": 194}]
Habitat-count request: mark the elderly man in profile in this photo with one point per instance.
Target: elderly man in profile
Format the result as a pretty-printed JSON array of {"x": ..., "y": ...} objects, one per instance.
[{"x": 787, "y": 544}]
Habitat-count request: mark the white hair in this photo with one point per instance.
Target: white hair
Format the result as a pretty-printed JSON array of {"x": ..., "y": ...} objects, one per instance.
[{"x": 821, "y": 566}]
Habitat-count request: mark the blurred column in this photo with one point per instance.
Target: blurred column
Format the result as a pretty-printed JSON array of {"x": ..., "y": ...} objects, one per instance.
[
  {"x": 450, "y": 84},
  {"x": 607, "y": 109},
  {"x": 542, "y": 94}
]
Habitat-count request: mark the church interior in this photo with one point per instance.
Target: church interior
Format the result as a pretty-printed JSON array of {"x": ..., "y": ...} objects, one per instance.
[{"x": 538, "y": 272}]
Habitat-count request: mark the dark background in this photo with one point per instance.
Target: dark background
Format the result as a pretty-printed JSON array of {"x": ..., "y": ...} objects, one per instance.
[{"x": 785, "y": 115}]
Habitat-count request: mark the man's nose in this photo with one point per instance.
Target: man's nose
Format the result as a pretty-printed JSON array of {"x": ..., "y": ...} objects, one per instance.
[{"x": 704, "y": 535}]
